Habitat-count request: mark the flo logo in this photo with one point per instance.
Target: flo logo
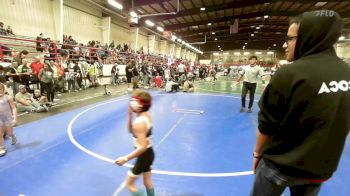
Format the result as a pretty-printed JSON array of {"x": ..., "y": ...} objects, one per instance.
[
  {"x": 334, "y": 86},
  {"x": 328, "y": 13}
]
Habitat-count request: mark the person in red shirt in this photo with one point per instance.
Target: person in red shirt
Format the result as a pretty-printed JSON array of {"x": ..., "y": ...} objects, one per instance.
[{"x": 36, "y": 66}]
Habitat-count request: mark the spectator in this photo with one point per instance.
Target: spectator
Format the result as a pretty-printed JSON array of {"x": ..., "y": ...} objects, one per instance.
[
  {"x": 37, "y": 96},
  {"x": 113, "y": 73},
  {"x": 24, "y": 73},
  {"x": 304, "y": 110},
  {"x": 78, "y": 75},
  {"x": 36, "y": 66},
  {"x": 70, "y": 76},
  {"x": 146, "y": 76},
  {"x": 9, "y": 30},
  {"x": 2, "y": 29},
  {"x": 46, "y": 82},
  {"x": 13, "y": 77},
  {"x": 135, "y": 75},
  {"x": 188, "y": 86},
  {"x": 25, "y": 102},
  {"x": 128, "y": 72},
  {"x": 2, "y": 75},
  {"x": 93, "y": 74},
  {"x": 22, "y": 55},
  {"x": 40, "y": 44}
]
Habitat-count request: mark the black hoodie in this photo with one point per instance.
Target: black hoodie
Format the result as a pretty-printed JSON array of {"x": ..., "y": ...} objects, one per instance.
[{"x": 306, "y": 106}]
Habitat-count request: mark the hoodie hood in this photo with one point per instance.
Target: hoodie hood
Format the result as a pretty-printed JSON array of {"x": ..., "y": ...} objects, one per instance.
[{"x": 318, "y": 31}]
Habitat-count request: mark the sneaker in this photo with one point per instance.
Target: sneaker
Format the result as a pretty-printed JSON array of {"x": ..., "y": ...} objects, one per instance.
[
  {"x": 2, "y": 151},
  {"x": 242, "y": 109},
  {"x": 250, "y": 110},
  {"x": 13, "y": 139}
]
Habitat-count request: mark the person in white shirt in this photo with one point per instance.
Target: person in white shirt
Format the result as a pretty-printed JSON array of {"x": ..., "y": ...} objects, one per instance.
[
  {"x": 250, "y": 74},
  {"x": 182, "y": 69}
]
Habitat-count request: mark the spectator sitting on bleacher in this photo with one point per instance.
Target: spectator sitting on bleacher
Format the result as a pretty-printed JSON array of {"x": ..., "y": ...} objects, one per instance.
[
  {"x": 22, "y": 55},
  {"x": 9, "y": 30},
  {"x": 25, "y": 102},
  {"x": 40, "y": 44},
  {"x": 2, "y": 29}
]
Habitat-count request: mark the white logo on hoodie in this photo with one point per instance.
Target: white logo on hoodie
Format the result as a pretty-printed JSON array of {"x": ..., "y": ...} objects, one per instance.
[{"x": 334, "y": 86}]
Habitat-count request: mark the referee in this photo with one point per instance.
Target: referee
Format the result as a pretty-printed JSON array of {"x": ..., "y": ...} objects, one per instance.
[{"x": 250, "y": 74}]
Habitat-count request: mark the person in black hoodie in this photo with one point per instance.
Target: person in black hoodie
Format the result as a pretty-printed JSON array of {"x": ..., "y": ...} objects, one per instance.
[{"x": 304, "y": 116}]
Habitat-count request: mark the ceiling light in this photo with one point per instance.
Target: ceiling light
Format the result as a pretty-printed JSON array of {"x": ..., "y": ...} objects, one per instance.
[
  {"x": 252, "y": 26},
  {"x": 215, "y": 53},
  {"x": 133, "y": 14},
  {"x": 274, "y": 44},
  {"x": 320, "y": 4},
  {"x": 341, "y": 38},
  {"x": 266, "y": 16},
  {"x": 245, "y": 43},
  {"x": 149, "y": 23},
  {"x": 213, "y": 33},
  {"x": 202, "y": 9},
  {"x": 270, "y": 52},
  {"x": 258, "y": 18},
  {"x": 218, "y": 46},
  {"x": 258, "y": 53},
  {"x": 209, "y": 24},
  {"x": 236, "y": 53},
  {"x": 252, "y": 34},
  {"x": 257, "y": 27},
  {"x": 216, "y": 39},
  {"x": 115, "y": 4},
  {"x": 246, "y": 53},
  {"x": 226, "y": 53},
  {"x": 160, "y": 29}
]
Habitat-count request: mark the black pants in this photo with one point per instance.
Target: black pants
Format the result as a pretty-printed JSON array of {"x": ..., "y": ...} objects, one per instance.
[
  {"x": 49, "y": 90},
  {"x": 247, "y": 86},
  {"x": 270, "y": 181}
]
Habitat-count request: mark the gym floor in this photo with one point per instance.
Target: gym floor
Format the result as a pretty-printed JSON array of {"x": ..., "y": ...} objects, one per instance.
[{"x": 70, "y": 150}]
